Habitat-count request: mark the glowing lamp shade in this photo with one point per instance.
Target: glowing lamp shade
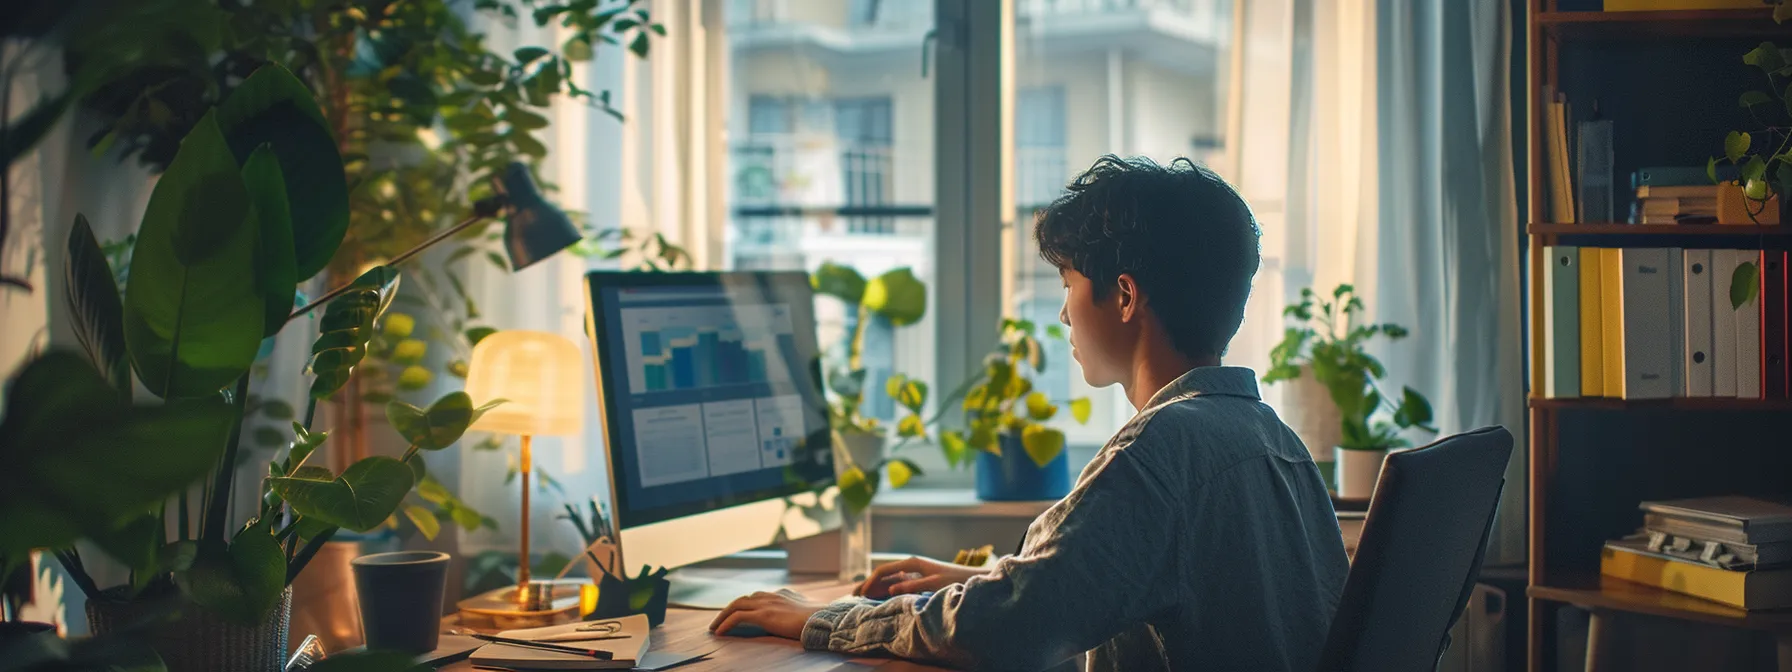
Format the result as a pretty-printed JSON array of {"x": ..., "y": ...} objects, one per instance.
[{"x": 540, "y": 375}]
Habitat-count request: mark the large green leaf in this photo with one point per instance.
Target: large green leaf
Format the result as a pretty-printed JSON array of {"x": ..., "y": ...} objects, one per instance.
[
  {"x": 346, "y": 328},
  {"x": 241, "y": 581},
  {"x": 360, "y": 499},
  {"x": 425, "y": 520},
  {"x": 953, "y": 445},
  {"x": 898, "y": 296},
  {"x": 193, "y": 319},
  {"x": 275, "y": 271},
  {"x": 1745, "y": 284},
  {"x": 1735, "y": 145},
  {"x": 441, "y": 424},
  {"x": 856, "y": 490},
  {"x": 1043, "y": 444},
  {"x": 66, "y": 430},
  {"x": 274, "y": 108},
  {"x": 838, "y": 281},
  {"x": 94, "y": 306}
]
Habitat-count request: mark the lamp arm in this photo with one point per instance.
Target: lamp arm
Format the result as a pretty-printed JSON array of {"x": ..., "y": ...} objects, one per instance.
[{"x": 483, "y": 210}]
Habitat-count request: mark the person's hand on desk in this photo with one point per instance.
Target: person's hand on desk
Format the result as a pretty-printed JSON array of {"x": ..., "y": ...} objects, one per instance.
[
  {"x": 780, "y": 614},
  {"x": 913, "y": 576}
]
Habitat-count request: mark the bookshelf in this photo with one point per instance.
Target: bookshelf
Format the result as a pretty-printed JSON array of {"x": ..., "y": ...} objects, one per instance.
[{"x": 1669, "y": 81}]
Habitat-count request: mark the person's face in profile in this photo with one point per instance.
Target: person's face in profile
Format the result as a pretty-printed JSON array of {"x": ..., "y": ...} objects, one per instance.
[{"x": 1100, "y": 335}]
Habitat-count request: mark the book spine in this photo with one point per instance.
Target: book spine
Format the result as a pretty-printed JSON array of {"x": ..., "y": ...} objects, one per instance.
[
  {"x": 1711, "y": 583},
  {"x": 1611, "y": 319},
  {"x": 1646, "y": 297},
  {"x": 1561, "y": 317},
  {"x": 1595, "y": 174},
  {"x": 1723, "y": 325},
  {"x": 1748, "y": 333},
  {"x": 1773, "y": 324},
  {"x": 1696, "y": 308},
  {"x": 1592, "y": 315},
  {"x": 1561, "y": 185}
]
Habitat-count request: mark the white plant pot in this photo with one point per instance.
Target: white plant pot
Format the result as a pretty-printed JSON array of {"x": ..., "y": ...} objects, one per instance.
[
  {"x": 1358, "y": 470},
  {"x": 1310, "y": 412}
]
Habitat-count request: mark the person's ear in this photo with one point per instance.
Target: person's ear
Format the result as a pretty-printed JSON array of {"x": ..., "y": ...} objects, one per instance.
[{"x": 1131, "y": 300}]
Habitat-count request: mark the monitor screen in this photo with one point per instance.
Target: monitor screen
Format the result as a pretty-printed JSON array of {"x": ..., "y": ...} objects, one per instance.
[{"x": 710, "y": 387}]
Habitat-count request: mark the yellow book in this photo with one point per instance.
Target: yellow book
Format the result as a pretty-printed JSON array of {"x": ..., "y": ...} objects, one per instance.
[
  {"x": 1752, "y": 590},
  {"x": 1660, "y": 5},
  {"x": 1611, "y": 319},
  {"x": 1592, "y": 343}
]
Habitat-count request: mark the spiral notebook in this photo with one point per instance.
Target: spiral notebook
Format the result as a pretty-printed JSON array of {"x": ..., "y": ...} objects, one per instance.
[{"x": 628, "y": 644}]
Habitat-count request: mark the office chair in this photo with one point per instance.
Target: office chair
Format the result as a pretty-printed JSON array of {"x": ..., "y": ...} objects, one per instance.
[{"x": 1421, "y": 550}]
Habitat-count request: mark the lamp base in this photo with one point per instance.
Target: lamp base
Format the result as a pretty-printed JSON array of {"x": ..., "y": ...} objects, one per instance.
[{"x": 533, "y": 605}]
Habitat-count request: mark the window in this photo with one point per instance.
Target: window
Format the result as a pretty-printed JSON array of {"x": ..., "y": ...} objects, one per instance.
[
  {"x": 1126, "y": 77},
  {"x": 831, "y": 157}
]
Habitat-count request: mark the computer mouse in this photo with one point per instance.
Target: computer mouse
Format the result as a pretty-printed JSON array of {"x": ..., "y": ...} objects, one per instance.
[{"x": 744, "y": 630}]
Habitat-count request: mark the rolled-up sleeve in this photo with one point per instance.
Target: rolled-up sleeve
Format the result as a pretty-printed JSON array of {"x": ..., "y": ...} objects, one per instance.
[{"x": 1094, "y": 565}]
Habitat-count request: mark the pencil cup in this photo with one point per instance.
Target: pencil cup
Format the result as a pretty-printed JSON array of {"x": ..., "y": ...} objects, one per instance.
[{"x": 401, "y": 599}]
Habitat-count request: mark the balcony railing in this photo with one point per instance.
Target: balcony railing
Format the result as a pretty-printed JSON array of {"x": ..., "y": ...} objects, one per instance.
[{"x": 912, "y": 14}]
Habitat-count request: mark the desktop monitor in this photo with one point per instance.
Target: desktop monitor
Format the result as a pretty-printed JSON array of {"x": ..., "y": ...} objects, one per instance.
[{"x": 716, "y": 427}]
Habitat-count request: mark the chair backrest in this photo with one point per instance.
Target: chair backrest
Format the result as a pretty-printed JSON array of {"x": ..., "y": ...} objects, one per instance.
[{"x": 1421, "y": 549}]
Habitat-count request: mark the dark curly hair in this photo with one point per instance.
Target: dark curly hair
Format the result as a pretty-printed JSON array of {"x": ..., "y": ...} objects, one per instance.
[{"x": 1186, "y": 236}]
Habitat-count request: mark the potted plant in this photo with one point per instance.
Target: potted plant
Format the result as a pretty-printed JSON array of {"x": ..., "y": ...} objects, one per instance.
[
  {"x": 859, "y": 456},
  {"x": 1018, "y": 457},
  {"x": 1327, "y": 342},
  {"x": 188, "y": 329}
]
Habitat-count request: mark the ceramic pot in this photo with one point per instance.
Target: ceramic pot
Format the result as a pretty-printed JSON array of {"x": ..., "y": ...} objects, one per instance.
[
  {"x": 1013, "y": 476},
  {"x": 1307, "y": 406},
  {"x": 1358, "y": 470}
]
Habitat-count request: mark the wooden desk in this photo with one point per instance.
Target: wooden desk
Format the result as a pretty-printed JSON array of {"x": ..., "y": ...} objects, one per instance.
[{"x": 687, "y": 630}]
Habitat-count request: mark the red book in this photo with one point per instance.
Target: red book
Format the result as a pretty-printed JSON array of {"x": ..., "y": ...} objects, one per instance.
[{"x": 1773, "y": 325}]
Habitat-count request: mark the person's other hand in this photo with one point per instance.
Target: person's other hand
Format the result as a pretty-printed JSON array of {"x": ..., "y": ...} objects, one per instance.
[
  {"x": 914, "y": 575},
  {"x": 780, "y": 614}
]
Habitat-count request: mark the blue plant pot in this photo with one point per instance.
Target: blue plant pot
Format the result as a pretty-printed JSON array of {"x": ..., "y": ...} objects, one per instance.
[{"x": 1013, "y": 477}]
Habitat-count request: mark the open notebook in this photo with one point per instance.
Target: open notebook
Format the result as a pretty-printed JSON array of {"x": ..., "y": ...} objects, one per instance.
[{"x": 628, "y": 650}]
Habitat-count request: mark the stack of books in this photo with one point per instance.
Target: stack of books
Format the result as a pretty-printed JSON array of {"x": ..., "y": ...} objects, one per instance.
[
  {"x": 1672, "y": 205},
  {"x": 1657, "y": 323},
  {"x": 1733, "y": 550}
]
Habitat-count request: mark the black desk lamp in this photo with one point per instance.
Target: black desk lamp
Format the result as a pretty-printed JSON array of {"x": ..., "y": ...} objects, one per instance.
[{"x": 533, "y": 228}]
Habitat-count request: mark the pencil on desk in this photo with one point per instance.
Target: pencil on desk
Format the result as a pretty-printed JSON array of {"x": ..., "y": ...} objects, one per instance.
[{"x": 532, "y": 644}]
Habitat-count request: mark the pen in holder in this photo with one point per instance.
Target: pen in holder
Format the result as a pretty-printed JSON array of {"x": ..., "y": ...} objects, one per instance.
[
  {"x": 618, "y": 594},
  {"x": 645, "y": 593}
]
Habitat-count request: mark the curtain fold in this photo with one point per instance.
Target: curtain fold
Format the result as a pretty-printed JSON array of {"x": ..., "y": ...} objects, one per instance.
[{"x": 1446, "y": 239}]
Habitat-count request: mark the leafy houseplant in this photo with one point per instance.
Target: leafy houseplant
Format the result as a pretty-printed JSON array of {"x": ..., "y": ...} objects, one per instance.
[
  {"x": 1327, "y": 342},
  {"x": 1763, "y": 174},
  {"x": 900, "y": 298},
  {"x": 1004, "y": 420},
  {"x": 213, "y": 272},
  {"x": 422, "y": 110}
]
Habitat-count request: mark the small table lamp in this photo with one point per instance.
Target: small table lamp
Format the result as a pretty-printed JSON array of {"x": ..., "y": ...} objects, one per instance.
[{"x": 541, "y": 377}]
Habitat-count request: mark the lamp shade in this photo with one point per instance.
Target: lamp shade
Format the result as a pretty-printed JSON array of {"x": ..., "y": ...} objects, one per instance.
[
  {"x": 540, "y": 376},
  {"x": 535, "y": 229}
]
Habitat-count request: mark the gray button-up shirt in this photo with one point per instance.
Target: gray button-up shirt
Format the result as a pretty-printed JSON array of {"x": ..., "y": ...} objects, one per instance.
[{"x": 1201, "y": 537}]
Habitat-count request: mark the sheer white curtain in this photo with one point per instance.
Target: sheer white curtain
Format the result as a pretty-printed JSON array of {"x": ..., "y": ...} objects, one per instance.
[
  {"x": 1371, "y": 138},
  {"x": 655, "y": 171},
  {"x": 1301, "y": 149},
  {"x": 1445, "y": 253}
]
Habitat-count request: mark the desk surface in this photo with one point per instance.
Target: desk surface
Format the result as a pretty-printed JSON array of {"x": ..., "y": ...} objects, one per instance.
[{"x": 687, "y": 630}]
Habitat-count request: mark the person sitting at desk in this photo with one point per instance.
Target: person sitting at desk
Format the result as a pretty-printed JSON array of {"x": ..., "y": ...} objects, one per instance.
[{"x": 1200, "y": 537}]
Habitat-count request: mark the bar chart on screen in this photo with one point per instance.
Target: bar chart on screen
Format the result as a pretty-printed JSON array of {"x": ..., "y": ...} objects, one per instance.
[{"x": 696, "y": 347}]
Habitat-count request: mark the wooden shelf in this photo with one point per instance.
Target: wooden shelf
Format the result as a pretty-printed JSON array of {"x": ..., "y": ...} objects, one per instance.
[
  {"x": 1680, "y": 23},
  {"x": 1596, "y": 592},
  {"x": 1675, "y": 404},
  {"x": 1543, "y": 229}
]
